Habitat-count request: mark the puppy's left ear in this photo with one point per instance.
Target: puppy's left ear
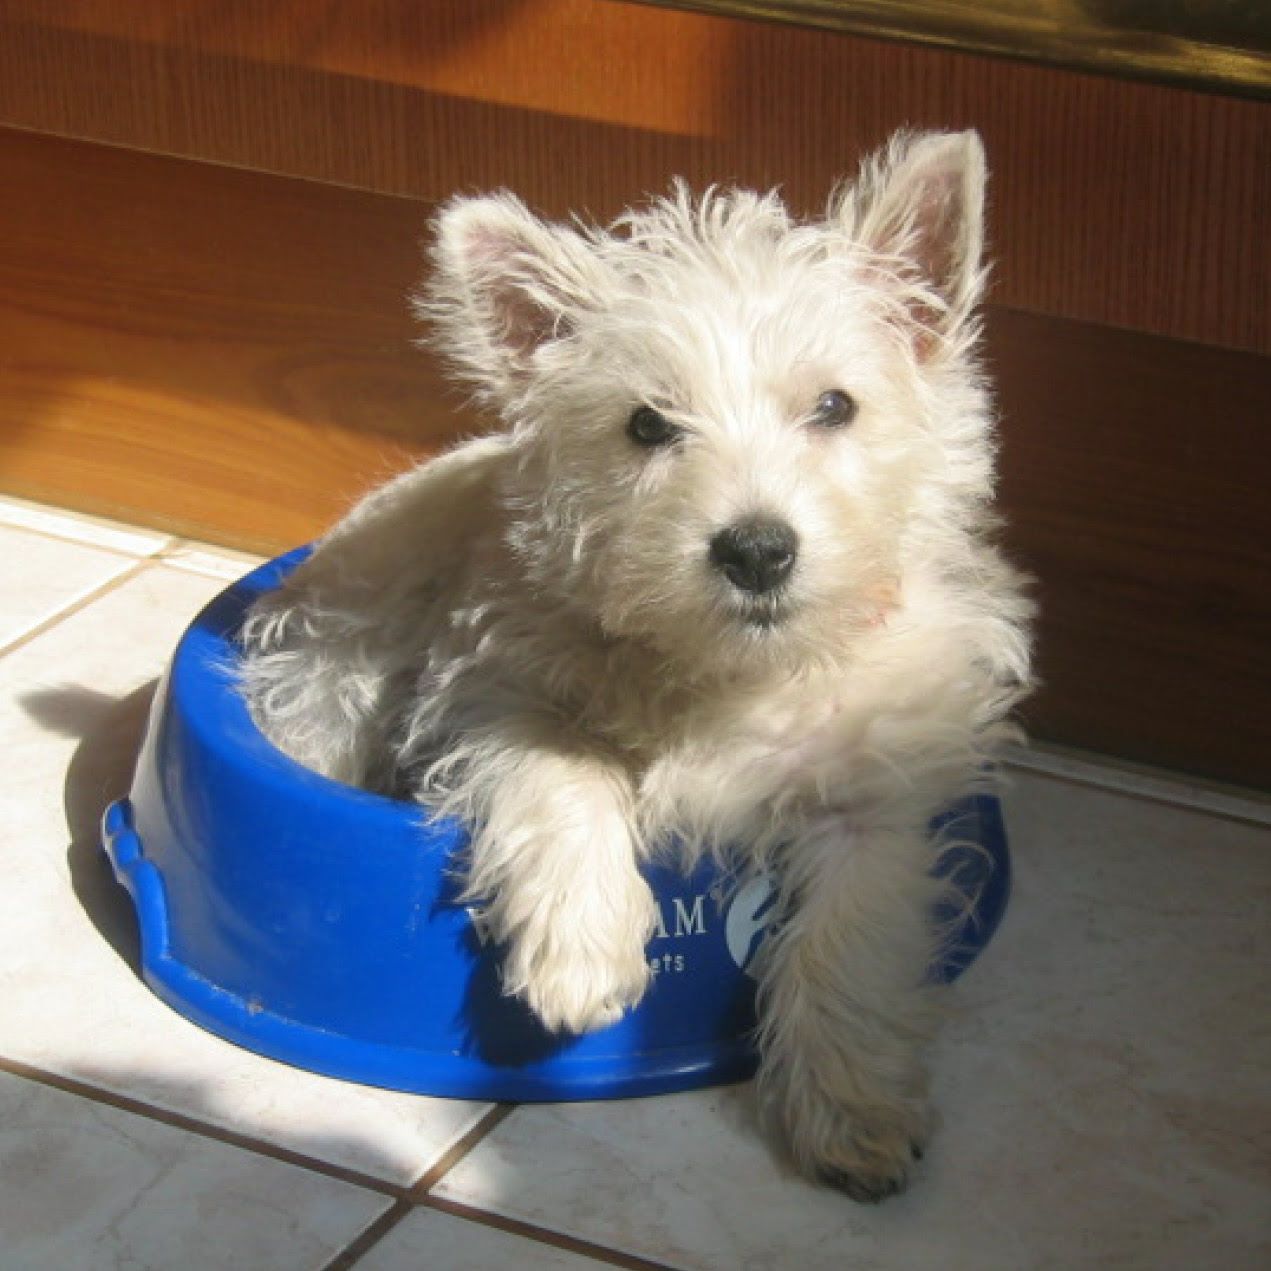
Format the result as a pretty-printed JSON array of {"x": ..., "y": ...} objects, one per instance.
[
  {"x": 918, "y": 207},
  {"x": 505, "y": 285}
]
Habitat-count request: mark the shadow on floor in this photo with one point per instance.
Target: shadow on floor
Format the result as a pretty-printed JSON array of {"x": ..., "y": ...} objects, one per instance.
[{"x": 110, "y": 731}]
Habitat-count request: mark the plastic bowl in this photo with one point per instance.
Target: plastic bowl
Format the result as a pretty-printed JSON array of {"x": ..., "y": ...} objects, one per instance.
[{"x": 315, "y": 923}]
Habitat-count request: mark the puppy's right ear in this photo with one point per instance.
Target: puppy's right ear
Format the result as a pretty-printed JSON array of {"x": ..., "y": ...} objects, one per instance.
[
  {"x": 505, "y": 284},
  {"x": 918, "y": 207}
]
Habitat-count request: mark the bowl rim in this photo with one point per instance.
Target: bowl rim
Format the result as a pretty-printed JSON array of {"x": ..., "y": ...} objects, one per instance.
[{"x": 205, "y": 666}]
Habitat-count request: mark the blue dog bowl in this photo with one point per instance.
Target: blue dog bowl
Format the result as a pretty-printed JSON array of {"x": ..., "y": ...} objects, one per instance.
[{"x": 316, "y": 923}]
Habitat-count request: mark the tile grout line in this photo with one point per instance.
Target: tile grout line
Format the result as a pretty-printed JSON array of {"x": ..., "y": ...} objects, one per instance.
[
  {"x": 160, "y": 558},
  {"x": 489, "y": 1121},
  {"x": 168, "y": 555},
  {"x": 162, "y": 553},
  {"x": 77, "y": 540},
  {"x": 203, "y": 1129},
  {"x": 412, "y": 1197},
  {"x": 423, "y": 1195},
  {"x": 545, "y": 1235},
  {"x": 369, "y": 1236},
  {"x": 129, "y": 572}
]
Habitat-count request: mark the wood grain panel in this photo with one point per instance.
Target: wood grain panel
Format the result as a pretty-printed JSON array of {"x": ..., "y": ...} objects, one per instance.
[
  {"x": 1129, "y": 204},
  {"x": 228, "y": 354},
  {"x": 203, "y": 349},
  {"x": 1134, "y": 475}
]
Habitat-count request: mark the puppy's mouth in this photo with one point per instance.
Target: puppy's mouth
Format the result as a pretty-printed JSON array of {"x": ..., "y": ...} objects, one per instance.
[{"x": 765, "y": 613}]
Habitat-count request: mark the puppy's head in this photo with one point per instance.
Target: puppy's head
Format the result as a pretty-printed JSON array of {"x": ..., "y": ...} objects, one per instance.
[{"x": 734, "y": 432}]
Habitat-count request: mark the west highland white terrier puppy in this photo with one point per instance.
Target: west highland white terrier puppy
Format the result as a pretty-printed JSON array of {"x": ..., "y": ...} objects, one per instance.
[{"x": 726, "y": 578}]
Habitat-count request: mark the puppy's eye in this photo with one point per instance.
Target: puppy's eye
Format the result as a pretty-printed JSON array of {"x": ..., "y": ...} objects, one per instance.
[
  {"x": 648, "y": 427},
  {"x": 835, "y": 409}
]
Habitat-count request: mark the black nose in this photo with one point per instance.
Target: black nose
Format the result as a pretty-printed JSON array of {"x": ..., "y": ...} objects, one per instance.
[{"x": 755, "y": 556}]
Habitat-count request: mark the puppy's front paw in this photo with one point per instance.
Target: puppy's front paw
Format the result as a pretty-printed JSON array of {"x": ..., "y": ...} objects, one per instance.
[
  {"x": 868, "y": 1176},
  {"x": 868, "y": 1153},
  {"x": 580, "y": 965},
  {"x": 865, "y": 1149},
  {"x": 573, "y": 992}
]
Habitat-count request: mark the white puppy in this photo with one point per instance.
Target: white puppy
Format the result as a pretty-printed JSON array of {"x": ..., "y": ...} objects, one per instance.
[{"x": 726, "y": 576}]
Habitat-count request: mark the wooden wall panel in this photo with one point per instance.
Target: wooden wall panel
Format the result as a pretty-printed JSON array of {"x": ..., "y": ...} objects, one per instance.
[
  {"x": 1134, "y": 474},
  {"x": 229, "y": 354},
  {"x": 1130, "y": 204},
  {"x": 206, "y": 350}
]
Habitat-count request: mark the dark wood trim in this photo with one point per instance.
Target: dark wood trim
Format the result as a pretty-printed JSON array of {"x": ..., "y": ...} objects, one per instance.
[{"x": 1214, "y": 45}]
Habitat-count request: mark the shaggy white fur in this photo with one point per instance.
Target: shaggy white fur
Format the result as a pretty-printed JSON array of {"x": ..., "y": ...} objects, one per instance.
[{"x": 726, "y": 577}]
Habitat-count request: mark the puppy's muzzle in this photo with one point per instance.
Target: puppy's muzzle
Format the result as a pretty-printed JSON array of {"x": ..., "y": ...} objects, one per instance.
[{"x": 756, "y": 556}]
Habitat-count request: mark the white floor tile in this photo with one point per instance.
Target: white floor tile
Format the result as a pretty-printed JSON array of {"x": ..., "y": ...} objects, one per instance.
[
  {"x": 72, "y": 705},
  {"x": 79, "y": 681},
  {"x": 215, "y": 562},
  {"x": 41, "y": 576},
  {"x": 1104, "y": 1089},
  {"x": 80, "y": 528},
  {"x": 84, "y": 1186},
  {"x": 440, "y": 1242}
]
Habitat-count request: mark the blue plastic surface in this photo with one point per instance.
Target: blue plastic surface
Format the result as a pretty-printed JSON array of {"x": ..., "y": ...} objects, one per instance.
[{"x": 313, "y": 922}]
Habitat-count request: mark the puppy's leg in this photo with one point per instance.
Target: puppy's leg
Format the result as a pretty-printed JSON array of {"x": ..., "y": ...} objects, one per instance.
[
  {"x": 844, "y": 1009},
  {"x": 554, "y": 861}
]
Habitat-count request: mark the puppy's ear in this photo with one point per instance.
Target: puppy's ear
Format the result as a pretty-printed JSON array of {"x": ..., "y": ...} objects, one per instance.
[
  {"x": 504, "y": 285},
  {"x": 918, "y": 207}
]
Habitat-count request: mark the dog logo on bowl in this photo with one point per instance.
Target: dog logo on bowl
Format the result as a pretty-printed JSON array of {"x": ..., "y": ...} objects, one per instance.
[{"x": 748, "y": 921}]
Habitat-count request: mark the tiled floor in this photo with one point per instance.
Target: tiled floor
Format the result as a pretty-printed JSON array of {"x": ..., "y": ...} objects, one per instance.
[{"x": 1105, "y": 1084}]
